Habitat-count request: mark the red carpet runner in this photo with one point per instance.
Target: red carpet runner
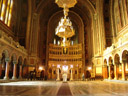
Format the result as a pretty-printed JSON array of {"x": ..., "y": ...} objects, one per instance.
[{"x": 64, "y": 90}]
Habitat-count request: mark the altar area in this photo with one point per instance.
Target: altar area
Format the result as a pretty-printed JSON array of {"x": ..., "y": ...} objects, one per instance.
[{"x": 61, "y": 62}]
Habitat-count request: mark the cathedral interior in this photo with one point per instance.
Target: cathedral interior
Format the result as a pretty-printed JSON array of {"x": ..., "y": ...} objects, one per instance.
[{"x": 30, "y": 46}]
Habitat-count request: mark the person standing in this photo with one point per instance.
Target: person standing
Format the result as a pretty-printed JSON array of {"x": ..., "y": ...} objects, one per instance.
[{"x": 83, "y": 77}]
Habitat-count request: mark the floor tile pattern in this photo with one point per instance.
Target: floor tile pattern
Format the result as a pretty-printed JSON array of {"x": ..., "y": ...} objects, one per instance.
[
  {"x": 98, "y": 88},
  {"x": 54, "y": 88},
  {"x": 31, "y": 88}
]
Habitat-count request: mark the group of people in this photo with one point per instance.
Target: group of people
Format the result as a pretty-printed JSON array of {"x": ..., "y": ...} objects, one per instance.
[
  {"x": 86, "y": 75},
  {"x": 33, "y": 75}
]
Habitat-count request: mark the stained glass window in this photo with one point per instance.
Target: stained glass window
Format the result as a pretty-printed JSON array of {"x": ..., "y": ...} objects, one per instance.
[{"x": 6, "y": 11}]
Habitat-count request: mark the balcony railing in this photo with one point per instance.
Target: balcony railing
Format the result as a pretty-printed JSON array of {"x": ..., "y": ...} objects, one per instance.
[{"x": 9, "y": 40}]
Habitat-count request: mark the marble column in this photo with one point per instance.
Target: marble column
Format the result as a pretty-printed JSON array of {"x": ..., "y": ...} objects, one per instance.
[
  {"x": 110, "y": 72},
  {"x": 115, "y": 71},
  {"x": 14, "y": 71},
  {"x": 6, "y": 77},
  {"x": 20, "y": 73},
  {"x": 58, "y": 75},
  {"x": 71, "y": 78},
  {"x": 123, "y": 71}
]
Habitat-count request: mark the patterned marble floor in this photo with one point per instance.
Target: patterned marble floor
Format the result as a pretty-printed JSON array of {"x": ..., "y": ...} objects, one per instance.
[
  {"x": 53, "y": 88},
  {"x": 98, "y": 88}
]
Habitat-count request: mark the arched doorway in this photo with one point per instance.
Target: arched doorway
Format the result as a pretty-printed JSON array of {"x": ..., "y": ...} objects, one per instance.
[
  {"x": 111, "y": 68},
  {"x": 117, "y": 66},
  {"x": 124, "y": 64},
  {"x": 17, "y": 70},
  {"x": 11, "y": 68},
  {"x": 25, "y": 69},
  {"x": 3, "y": 65},
  {"x": 42, "y": 75},
  {"x": 105, "y": 70},
  {"x": 18, "y": 67},
  {"x": 4, "y": 61},
  {"x": 50, "y": 73}
]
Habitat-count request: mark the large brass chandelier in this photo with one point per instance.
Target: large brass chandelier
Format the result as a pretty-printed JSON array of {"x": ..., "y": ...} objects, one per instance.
[{"x": 65, "y": 29}]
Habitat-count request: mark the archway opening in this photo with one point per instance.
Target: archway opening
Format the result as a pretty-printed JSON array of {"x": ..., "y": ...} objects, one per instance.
[
  {"x": 18, "y": 66},
  {"x": 50, "y": 73},
  {"x": 105, "y": 70},
  {"x": 125, "y": 64},
  {"x": 3, "y": 66},
  {"x": 11, "y": 68},
  {"x": 117, "y": 63},
  {"x": 25, "y": 69},
  {"x": 111, "y": 68}
]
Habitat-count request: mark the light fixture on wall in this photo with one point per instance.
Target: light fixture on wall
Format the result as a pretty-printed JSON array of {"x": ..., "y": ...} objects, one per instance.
[
  {"x": 89, "y": 68},
  {"x": 65, "y": 29},
  {"x": 71, "y": 66},
  {"x": 58, "y": 66},
  {"x": 40, "y": 68}
]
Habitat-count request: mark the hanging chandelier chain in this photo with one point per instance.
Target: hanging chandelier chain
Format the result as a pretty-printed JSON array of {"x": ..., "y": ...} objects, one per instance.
[{"x": 65, "y": 29}]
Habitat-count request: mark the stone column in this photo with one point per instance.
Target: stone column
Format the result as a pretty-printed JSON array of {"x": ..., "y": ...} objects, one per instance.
[
  {"x": 122, "y": 12},
  {"x": 6, "y": 77},
  {"x": 20, "y": 73},
  {"x": 115, "y": 71},
  {"x": 110, "y": 72},
  {"x": 123, "y": 71},
  {"x": 33, "y": 35},
  {"x": 29, "y": 24},
  {"x": 14, "y": 70},
  {"x": 125, "y": 11},
  {"x": 71, "y": 78},
  {"x": 58, "y": 75}
]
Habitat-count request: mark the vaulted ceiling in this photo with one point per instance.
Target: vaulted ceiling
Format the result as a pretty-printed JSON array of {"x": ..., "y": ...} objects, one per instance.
[{"x": 84, "y": 9}]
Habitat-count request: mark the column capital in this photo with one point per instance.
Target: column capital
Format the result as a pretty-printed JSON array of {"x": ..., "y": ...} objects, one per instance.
[
  {"x": 14, "y": 62},
  {"x": 104, "y": 65},
  {"x": 20, "y": 63},
  {"x": 124, "y": 61},
  {"x": 110, "y": 64},
  {"x": 7, "y": 59},
  {"x": 116, "y": 63}
]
